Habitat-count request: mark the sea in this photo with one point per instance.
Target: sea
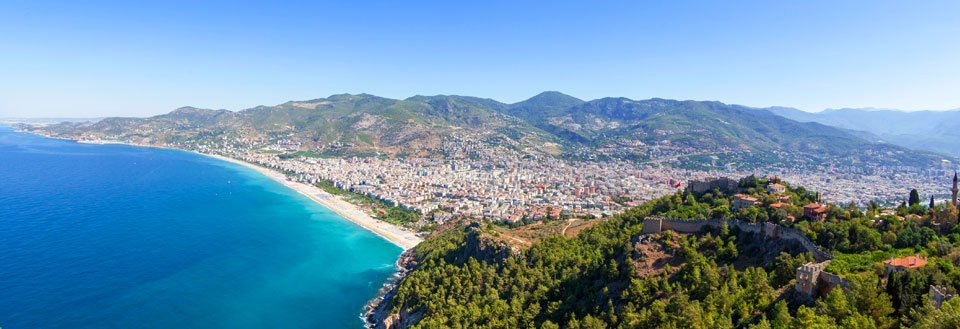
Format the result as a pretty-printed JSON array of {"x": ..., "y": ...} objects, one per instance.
[{"x": 116, "y": 236}]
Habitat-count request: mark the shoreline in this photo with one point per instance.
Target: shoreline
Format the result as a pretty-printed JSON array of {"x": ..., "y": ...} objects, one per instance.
[
  {"x": 401, "y": 237},
  {"x": 396, "y": 235}
]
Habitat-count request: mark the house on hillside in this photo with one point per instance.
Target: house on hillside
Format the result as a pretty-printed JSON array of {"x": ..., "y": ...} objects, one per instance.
[
  {"x": 776, "y": 188},
  {"x": 899, "y": 264},
  {"x": 741, "y": 201},
  {"x": 888, "y": 212},
  {"x": 778, "y": 205},
  {"x": 815, "y": 211}
]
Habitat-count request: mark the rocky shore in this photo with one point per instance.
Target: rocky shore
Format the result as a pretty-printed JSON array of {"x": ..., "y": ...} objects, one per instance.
[{"x": 377, "y": 311}]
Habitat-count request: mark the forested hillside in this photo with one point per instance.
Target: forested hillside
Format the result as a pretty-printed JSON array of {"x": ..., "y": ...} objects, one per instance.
[{"x": 613, "y": 276}]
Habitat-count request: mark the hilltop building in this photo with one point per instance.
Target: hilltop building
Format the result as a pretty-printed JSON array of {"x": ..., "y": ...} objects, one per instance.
[
  {"x": 815, "y": 211},
  {"x": 724, "y": 184},
  {"x": 807, "y": 276},
  {"x": 776, "y": 188},
  {"x": 899, "y": 264},
  {"x": 741, "y": 201},
  {"x": 813, "y": 280}
]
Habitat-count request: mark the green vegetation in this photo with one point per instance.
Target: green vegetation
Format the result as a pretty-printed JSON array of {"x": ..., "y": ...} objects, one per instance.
[
  {"x": 586, "y": 281},
  {"x": 598, "y": 279},
  {"x": 330, "y": 188},
  {"x": 844, "y": 264},
  {"x": 306, "y": 154},
  {"x": 389, "y": 213}
]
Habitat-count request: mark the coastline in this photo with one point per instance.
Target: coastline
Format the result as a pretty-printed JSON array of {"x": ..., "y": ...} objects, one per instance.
[{"x": 400, "y": 237}]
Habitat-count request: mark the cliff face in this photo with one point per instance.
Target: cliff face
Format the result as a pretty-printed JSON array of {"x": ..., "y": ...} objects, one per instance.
[
  {"x": 386, "y": 314},
  {"x": 485, "y": 248},
  {"x": 383, "y": 319},
  {"x": 379, "y": 315}
]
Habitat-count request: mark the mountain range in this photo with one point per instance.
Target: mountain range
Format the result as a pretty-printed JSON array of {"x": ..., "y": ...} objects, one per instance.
[
  {"x": 937, "y": 131},
  {"x": 686, "y": 133}
]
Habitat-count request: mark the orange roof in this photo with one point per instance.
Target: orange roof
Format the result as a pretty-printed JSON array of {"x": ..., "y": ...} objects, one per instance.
[
  {"x": 813, "y": 206},
  {"x": 744, "y": 197},
  {"x": 778, "y": 204},
  {"x": 907, "y": 262},
  {"x": 777, "y": 185}
]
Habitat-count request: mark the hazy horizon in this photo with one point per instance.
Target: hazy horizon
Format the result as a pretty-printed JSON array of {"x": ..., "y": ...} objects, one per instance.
[{"x": 115, "y": 59}]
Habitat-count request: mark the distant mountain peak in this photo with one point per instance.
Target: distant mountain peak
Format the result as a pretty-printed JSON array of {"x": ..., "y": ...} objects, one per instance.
[
  {"x": 554, "y": 96},
  {"x": 190, "y": 110},
  {"x": 186, "y": 109}
]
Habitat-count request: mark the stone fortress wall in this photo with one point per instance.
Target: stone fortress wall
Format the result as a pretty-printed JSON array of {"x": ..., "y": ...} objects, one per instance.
[
  {"x": 811, "y": 277},
  {"x": 770, "y": 230}
]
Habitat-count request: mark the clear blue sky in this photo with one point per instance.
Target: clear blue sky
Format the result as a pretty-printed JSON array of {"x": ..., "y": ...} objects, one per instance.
[{"x": 89, "y": 58}]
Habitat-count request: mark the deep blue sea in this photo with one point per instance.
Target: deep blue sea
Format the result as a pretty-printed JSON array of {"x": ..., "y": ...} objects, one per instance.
[{"x": 113, "y": 236}]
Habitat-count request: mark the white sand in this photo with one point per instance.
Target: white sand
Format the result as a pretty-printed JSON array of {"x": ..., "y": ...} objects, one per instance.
[{"x": 397, "y": 235}]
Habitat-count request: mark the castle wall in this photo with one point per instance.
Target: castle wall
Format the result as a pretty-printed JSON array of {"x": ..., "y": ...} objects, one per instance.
[
  {"x": 686, "y": 226},
  {"x": 773, "y": 231},
  {"x": 652, "y": 225},
  {"x": 828, "y": 281}
]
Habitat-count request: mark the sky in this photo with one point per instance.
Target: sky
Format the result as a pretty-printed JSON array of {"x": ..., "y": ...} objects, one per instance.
[{"x": 133, "y": 58}]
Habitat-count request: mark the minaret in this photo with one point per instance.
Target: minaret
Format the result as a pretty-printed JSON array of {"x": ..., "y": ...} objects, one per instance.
[{"x": 955, "y": 189}]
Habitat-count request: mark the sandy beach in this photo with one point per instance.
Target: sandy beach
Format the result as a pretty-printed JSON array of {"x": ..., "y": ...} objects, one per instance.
[{"x": 398, "y": 236}]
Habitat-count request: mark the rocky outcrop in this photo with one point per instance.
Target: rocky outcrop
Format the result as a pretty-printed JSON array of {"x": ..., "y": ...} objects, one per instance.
[
  {"x": 384, "y": 319},
  {"x": 383, "y": 313},
  {"x": 379, "y": 309},
  {"x": 486, "y": 248}
]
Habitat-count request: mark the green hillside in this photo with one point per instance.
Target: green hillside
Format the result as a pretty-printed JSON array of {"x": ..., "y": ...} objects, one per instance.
[{"x": 684, "y": 133}]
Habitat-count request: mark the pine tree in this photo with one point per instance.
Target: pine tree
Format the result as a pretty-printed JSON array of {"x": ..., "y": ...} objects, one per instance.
[{"x": 781, "y": 318}]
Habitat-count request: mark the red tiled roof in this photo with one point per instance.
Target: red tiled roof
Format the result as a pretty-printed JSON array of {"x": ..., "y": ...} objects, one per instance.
[
  {"x": 744, "y": 197},
  {"x": 907, "y": 262},
  {"x": 778, "y": 204},
  {"x": 814, "y": 206}
]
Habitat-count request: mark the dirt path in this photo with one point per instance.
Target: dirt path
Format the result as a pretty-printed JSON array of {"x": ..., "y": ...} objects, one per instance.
[{"x": 570, "y": 221}]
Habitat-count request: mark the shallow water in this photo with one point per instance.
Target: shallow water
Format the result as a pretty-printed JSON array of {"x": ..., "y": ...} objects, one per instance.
[{"x": 114, "y": 236}]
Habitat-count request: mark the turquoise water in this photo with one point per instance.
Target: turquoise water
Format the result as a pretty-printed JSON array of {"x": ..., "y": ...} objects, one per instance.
[{"x": 113, "y": 236}]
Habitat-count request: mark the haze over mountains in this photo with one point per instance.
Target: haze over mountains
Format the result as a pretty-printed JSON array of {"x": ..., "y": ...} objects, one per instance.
[
  {"x": 937, "y": 131},
  {"x": 687, "y": 133}
]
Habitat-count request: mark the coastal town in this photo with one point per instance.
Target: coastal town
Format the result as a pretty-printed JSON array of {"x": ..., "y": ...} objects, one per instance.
[
  {"x": 511, "y": 189},
  {"x": 503, "y": 184}
]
